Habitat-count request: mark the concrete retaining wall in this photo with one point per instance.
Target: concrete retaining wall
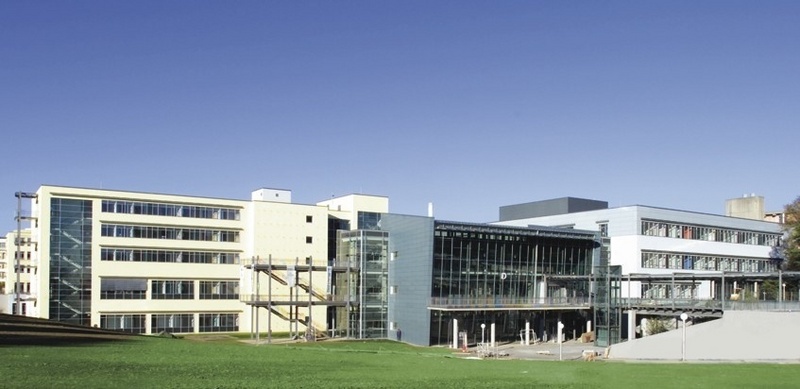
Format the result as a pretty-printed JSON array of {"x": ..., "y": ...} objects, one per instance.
[{"x": 737, "y": 336}]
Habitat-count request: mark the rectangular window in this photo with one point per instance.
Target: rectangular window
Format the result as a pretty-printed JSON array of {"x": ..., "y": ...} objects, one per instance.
[
  {"x": 172, "y": 290},
  {"x": 173, "y": 323},
  {"x": 309, "y": 239},
  {"x": 219, "y": 322},
  {"x": 309, "y": 219},
  {"x": 603, "y": 229},
  {"x": 129, "y": 323},
  {"x": 219, "y": 290},
  {"x": 123, "y": 288}
]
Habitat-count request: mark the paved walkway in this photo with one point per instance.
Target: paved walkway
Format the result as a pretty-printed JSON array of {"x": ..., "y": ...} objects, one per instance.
[{"x": 570, "y": 350}]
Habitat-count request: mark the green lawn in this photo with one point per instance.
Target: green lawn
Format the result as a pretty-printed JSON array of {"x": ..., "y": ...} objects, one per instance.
[{"x": 156, "y": 362}]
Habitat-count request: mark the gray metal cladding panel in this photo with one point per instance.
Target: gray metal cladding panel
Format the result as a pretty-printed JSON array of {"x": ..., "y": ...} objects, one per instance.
[
  {"x": 549, "y": 207},
  {"x": 411, "y": 245}
]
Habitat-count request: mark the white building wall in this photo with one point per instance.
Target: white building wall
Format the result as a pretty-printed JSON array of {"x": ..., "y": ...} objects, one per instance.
[
  {"x": 627, "y": 242},
  {"x": 349, "y": 206}
]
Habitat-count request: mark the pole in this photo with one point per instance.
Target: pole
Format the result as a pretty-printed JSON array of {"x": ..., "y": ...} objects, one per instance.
[
  {"x": 269, "y": 301},
  {"x": 256, "y": 300},
  {"x": 684, "y": 316},
  {"x": 309, "y": 325},
  {"x": 17, "y": 254}
]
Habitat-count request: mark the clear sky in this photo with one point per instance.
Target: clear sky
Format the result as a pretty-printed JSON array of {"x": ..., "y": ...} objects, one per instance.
[{"x": 467, "y": 104}]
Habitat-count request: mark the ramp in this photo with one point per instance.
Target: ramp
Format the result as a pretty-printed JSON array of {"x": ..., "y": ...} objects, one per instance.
[{"x": 737, "y": 336}]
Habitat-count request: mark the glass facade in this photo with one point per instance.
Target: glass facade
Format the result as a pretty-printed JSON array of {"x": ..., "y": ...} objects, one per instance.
[
  {"x": 368, "y": 249},
  {"x": 71, "y": 261},
  {"x": 607, "y": 309},
  {"x": 478, "y": 269}
]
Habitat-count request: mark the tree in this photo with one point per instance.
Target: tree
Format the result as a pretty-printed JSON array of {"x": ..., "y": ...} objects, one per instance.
[
  {"x": 769, "y": 290},
  {"x": 791, "y": 245}
]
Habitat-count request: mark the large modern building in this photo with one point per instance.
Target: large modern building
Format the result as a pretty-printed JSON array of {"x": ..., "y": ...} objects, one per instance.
[
  {"x": 448, "y": 278},
  {"x": 663, "y": 242},
  {"x": 175, "y": 260},
  {"x": 346, "y": 266}
]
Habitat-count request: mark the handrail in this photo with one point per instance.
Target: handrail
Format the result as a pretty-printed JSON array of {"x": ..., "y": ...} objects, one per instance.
[{"x": 507, "y": 302}]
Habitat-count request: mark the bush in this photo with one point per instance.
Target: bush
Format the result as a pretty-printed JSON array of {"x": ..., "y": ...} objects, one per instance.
[{"x": 657, "y": 326}]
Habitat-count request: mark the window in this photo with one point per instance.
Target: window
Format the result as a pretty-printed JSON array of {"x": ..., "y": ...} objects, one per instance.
[
  {"x": 603, "y": 227},
  {"x": 176, "y": 322},
  {"x": 129, "y": 323},
  {"x": 123, "y": 288},
  {"x": 309, "y": 239},
  {"x": 219, "y": 322},
  {"x": 309, "y": 219},
  {"x": 219, "y": 290},
  {"x": 172, "y": 290}
]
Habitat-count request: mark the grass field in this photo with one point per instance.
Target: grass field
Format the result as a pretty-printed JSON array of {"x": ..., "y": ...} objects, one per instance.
[{"x": 157, "y": 362}]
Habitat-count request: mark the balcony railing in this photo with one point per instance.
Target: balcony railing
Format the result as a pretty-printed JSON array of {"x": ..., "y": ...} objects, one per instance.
[
  {"x": 708, "y": 304},
  {"x": 263, "y": 298},
  {"x": 456, "y": 302}
]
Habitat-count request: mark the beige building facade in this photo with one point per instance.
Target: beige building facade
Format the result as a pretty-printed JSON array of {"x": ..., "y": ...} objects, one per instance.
[{"x": 147, "y": 262}]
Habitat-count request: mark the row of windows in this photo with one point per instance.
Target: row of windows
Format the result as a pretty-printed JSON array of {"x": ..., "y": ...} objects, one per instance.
[
  {"x": 176, "y": 322},
  {"x": 123, "y": 294},
  {"x": 174, "y": 233},
  {"x": 161, "y": 209},
  {"x": 136, "y": 289},
  {"x": 219, "y": 290},
  {"x": 168, "y": 256},
  {"x": 662, "y": 291},
  {"x": 714, "y": 234},
  {"x": 184, "y": 322},
  {"x": 172, "y": 290},
  {"x": 128, "y": 323},
  {"x": 477, "y": 235},
  {"x": 685, "y": 261}
]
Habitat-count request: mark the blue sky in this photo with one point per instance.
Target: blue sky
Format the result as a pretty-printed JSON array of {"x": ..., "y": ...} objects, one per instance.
[{"x": 467, "y": 104}]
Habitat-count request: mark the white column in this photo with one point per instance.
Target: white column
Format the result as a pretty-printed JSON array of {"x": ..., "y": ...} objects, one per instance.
[
  {"x": 527, "y": 333},
  {"x": 491, "y": 344},
  {"x": 560, "y": 345},
  {"x": 588, "y": 326},
  {"x": 631, "y": 325},
  {"x": 455, "y": 333}
]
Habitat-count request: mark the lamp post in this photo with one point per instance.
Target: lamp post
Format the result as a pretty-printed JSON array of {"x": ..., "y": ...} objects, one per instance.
[
  {"x": 684, "y": 316},
  {"x": 483, "y": 333}
]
